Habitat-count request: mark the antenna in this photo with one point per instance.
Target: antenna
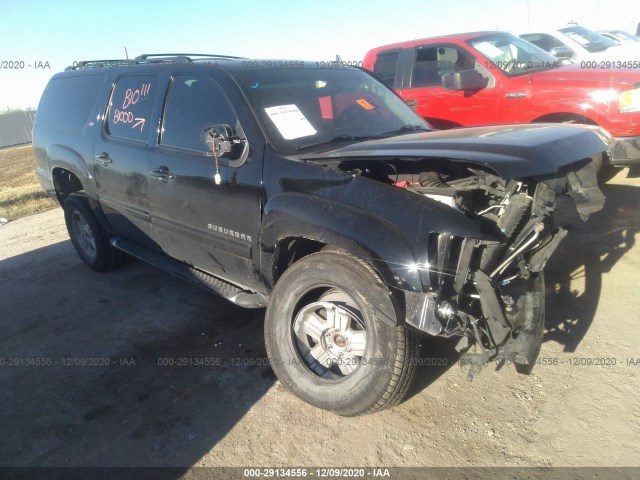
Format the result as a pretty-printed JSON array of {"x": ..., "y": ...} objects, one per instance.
[{"x": 126, "y": 54}]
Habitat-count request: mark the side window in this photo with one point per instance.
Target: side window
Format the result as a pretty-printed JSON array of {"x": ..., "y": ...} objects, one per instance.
[
  {"x": 67, "y": 102},
  {"x": 385, "y": 66},
  {"x": 131, "y": 106},
  {"x": 543, "y": 40},
  {"x": 558, "y": 43},
  {"x": 194, "y": 104},
  {"x": 432, "y": 62}
]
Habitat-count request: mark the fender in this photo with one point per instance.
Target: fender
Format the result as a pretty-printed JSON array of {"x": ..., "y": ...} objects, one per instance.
[
  {"x": 392, "y": 252},
  {"x": 371, "y": 238}
]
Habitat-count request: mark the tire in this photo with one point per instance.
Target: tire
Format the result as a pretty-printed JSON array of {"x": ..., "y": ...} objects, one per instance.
[
  {"x": 606, "y": 170},
  {"x": 89, "y": 238},
  {"x": 326, "y": 339}
]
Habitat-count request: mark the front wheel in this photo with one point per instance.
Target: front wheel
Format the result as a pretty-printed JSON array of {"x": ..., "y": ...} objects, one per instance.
[{"x": 330, "y": 338}]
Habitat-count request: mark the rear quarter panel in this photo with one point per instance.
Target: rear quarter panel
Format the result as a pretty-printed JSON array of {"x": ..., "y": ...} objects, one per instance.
[{"x": 56, "y": 147}]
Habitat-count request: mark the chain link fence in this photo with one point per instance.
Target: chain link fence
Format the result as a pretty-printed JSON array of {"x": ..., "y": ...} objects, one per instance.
[{"x": 16, "y": 127}]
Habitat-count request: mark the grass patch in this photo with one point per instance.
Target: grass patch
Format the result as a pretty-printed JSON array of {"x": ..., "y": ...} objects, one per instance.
[{"x": 20, "y": 191}]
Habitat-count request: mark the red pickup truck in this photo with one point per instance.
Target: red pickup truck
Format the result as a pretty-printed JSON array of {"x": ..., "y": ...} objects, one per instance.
[{"x": 486, "y": 78}]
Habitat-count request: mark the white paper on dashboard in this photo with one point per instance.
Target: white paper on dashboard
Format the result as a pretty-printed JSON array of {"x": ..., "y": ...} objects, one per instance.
[
  {"x": 489, "y": 50},
  {"x": 290, "y": 121},
  {"x": 579, "y": 39}
]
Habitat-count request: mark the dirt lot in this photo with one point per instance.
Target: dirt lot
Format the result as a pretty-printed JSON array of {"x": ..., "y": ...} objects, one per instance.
[
  {"x": 105, "y": 396},
  {"x": 20, "y": 192}
]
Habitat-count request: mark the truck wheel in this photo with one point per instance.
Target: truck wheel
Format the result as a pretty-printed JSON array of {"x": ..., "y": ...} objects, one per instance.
[
  {"x": 89, "y": 238},
  {"x": 606, "y": 171},
  {"x": 327, "y": 341}
]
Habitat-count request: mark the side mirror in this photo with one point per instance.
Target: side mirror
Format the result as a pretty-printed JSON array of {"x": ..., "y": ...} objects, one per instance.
[
  {"x": 223, "y": 143},
  {"x": 562, "y": 53},
  {"x": 219, "y": 139},
  {"x": 412, "y": 104},
  {"x": 465, "y": 80}
]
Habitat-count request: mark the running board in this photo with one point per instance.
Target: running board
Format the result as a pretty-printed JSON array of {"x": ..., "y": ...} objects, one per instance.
[{"x": 242, "y": 298}]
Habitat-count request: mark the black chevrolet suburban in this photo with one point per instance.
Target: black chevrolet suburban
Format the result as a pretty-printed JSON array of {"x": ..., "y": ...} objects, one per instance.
[{"x": 318, "y": 194}]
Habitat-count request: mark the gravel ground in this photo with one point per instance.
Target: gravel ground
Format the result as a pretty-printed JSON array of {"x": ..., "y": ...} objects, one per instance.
[{"x": 92, "y": 370}]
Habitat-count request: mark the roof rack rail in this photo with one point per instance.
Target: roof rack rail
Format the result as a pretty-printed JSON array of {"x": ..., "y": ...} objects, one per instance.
[
  {"x": 147, "y": 58},
  {"x": 160, "y": 57},
  {"x": 100, "y": 64}
]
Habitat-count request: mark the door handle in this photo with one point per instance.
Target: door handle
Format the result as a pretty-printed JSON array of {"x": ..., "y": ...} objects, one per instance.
[
  {"x": 104, "y": 159},
  {"x": 162, "y": 173}
]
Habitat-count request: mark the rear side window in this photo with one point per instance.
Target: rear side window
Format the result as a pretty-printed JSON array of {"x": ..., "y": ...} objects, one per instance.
[
  {"x": 66, "y": 103},
  {"x": 131, "y": 107},
  {"x": 386, "y": 65},
  {"x": 195, "y": 103},
  {"x": 543, "y": 40}
]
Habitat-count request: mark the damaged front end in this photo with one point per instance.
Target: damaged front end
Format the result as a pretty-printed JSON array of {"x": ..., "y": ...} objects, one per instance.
[{"x": 490, "y": 291}]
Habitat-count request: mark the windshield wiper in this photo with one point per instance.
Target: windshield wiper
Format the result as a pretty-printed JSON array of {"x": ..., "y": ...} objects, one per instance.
[
  {"x": 339, "y": 138},
  {"x": 407, "y": 129},
  {"x": 345, "y": 138}
]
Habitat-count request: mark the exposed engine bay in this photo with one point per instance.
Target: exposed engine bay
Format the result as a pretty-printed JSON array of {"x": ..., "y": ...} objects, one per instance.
[{"x": 490, "y": 291}]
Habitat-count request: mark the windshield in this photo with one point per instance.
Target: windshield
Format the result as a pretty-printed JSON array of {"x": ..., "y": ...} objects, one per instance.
[
  {"x": 625, "y": 36},
  {"x": 307, "y": 108},
  {"x": 588, "y": 39},
  {"x": 512, "y": 55}
]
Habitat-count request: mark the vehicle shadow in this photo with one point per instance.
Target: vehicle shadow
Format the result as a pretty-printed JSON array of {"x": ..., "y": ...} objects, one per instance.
[
  {"x": 128, "y": 368},
  {"x": 574, "y": 273},
  {"x": 437, "y": 356}
]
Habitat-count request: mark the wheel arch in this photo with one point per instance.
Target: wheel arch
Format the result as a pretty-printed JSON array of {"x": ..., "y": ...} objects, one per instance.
[
  {"x": 297, "y": 225},
  {"x": 565, "y": 117},
  {"x": 65, "y": 182},
  {"x": 69, "y": 172},
  {"x": 604, "y": 159}
]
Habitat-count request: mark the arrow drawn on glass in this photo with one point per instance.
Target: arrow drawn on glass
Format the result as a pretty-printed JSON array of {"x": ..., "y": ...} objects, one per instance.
[{"x": 139, "y": 121}]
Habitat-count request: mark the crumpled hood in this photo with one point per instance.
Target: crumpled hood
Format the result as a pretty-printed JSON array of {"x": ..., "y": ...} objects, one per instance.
[{"x": 512, "y": 151}]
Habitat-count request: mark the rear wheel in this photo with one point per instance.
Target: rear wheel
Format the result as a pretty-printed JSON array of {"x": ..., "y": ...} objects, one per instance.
[
  {"x": 604, "y": 167},
  {"x": 330, "y": 338},
  {"x": 89, "y": 238}
]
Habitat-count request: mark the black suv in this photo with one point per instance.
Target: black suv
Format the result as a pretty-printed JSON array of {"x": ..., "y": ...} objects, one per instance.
[{"x": 319, "y": 194}]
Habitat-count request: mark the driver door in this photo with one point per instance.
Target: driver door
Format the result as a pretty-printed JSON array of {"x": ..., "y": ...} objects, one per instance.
[
  {"x": 209, "y": 224},
  {"x": 444, "y": 108}
]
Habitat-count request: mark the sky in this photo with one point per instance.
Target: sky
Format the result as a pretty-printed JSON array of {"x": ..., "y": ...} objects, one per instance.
[{"x": 50, "y": 35}]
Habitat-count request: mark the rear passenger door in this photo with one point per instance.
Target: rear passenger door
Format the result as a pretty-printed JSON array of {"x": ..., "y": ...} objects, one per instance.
[
  {"x": 441, "y": 107},
  {"x": 122, "y": 155},
  {"x": 210, "y": 225}
]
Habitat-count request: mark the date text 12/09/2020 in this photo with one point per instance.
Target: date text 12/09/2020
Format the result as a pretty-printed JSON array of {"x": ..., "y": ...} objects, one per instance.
[
  {"x": 21, "y": 64},
  {"x": 316, "y": 472}
]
